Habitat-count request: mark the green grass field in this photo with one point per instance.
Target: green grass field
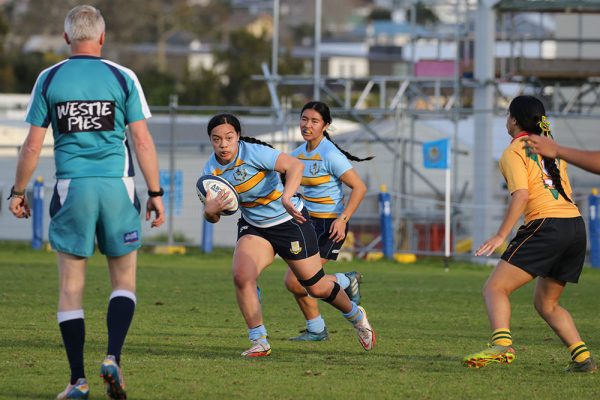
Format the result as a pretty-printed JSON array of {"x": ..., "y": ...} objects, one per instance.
[{"x": 187, "y": 334}]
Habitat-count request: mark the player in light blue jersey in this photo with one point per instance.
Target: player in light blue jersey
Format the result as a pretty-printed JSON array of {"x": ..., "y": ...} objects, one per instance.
[
  {"x": 274, "y": 221},
  {"x": 89, "y": 102},
  {"x": 326, "y": 168}
]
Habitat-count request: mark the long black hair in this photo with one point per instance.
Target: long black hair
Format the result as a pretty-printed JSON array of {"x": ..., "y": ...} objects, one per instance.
[
  {"x": 530, "y": 114},
  {"x": 232, "y": 120},
  {"x": 323, "y": 109}
]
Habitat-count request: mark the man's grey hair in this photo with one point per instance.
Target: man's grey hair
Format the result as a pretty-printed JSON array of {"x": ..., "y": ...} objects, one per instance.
[{"x": 84, "y": 23}]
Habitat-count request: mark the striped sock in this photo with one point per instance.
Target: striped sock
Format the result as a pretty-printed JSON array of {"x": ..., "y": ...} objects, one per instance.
[
  {"x": 502, "y": 337},
  {"x": 354, "y": 316},
  {"x": 579, "y": 352},
  {"x": 258, "y": 333}
]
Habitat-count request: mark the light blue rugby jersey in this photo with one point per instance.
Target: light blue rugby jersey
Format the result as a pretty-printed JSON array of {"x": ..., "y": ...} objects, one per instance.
[
  {"x": 323, "y": 167},
  {"x": 89, "y": 101},
  {"x": 259, "y": 186}
]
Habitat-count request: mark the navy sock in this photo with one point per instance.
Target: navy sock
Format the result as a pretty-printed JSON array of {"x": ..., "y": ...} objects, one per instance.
[
  {"x": 118, "y": 319},
  {"x": 73, "y": 335}
]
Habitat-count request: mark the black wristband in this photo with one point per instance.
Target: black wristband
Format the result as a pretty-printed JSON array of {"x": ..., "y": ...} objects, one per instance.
[
  {"x": 156, "y": 194},
  {"x": 14, "y": 193}
]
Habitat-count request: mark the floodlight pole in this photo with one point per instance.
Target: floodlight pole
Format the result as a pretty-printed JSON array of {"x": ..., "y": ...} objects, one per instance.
[
  {"x": 173, "y": 101},
  {"x": 447, "y": 200},
  {"x": 483, "y": 176},
  {"x": 275, "y": 34},
  {"x": 317, "y": 58}
]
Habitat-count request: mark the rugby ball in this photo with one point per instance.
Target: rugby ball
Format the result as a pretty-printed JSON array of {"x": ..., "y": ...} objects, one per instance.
[{"x": 216, "y": 184}]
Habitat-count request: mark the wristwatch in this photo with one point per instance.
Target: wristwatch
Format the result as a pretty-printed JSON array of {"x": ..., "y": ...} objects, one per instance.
[
  {"x": 14, "y": 193},
  {"x": 156, "y": 194}
]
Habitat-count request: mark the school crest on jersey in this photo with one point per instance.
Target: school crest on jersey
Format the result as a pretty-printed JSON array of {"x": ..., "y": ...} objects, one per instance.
[
  {"x": 240, "y": 175},
  {"x": 295, "y": 247},
  {"x": 314, "y": 169},
  {"x": 85, "y": 116}
]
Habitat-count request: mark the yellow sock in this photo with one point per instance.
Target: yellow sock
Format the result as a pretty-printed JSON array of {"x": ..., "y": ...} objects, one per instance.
[
  {"x": 579, "y": 352},
  {"x": 502, "y": 337}
]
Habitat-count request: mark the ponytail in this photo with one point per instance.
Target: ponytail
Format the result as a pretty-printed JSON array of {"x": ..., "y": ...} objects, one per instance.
[
  {"x": 550, "y": 163},
  {"x": 249, "y": 139},
  {"x": 344, "y": 152},
  {"x": 554, "y": 173}
]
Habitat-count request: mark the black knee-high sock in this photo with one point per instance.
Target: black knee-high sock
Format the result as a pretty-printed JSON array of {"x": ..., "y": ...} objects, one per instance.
[
  {"x": 73, "y": 335},
  {"x": 118, "y": 319}
]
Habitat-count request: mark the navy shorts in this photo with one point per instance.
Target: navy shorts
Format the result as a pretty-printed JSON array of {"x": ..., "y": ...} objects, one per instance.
[
  {"x": 290, "y": 239},
  {"x": 328, "y": 249},
  {"x": 550, "y": 248}
]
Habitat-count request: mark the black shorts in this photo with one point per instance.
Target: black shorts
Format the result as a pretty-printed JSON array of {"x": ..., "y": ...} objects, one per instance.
[
  {"x": 328, "y": 249},
  {"x": 290, "y": 239},
  {"x": 550, "y": 248}
]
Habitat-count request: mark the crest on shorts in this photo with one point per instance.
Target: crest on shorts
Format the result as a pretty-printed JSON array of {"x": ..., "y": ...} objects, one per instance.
[
  {"x": 295, "y": 247},
  {"x": 131, "y": 237},
  {"x": 240, "y": 174},
  {"x": 314, "y": 169}
]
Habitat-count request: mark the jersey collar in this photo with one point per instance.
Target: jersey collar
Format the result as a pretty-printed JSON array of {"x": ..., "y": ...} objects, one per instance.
[
  {"x": 84, "y": 57},
  {"x": 520, "y": 135}
]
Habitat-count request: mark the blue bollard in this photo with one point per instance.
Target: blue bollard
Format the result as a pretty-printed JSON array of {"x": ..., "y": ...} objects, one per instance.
[
  {"x": 38, "y": 214},
  {"x": 385, "y": 215},
  {"x": 207, "y": 236},
  {"x": 594, "y": 227}
]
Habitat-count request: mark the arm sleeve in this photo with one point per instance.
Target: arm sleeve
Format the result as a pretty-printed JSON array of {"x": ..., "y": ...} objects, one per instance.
[
  {"x": 337, "y": 164},
  {"x": 263, "y": 157},
  {"x": 514, "y": 169},
  {"x": 38, "y": 112},
  {"x": 206, "y": 170},
  {"x": 136, "y": 107}
]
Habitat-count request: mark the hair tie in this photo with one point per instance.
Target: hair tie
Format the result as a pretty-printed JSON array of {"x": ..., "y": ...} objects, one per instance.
[{"x": 544, "y": 125}]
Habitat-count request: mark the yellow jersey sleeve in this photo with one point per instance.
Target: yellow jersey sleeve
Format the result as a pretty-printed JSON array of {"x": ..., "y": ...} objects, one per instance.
[{"x": 513, "y": 166}]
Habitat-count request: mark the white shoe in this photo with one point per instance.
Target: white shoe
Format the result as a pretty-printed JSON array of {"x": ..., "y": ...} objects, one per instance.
[
  {"x": 366, "y": 334},
  {"x": 80, "y": 390},
  {"x": 259, "y": 349}
]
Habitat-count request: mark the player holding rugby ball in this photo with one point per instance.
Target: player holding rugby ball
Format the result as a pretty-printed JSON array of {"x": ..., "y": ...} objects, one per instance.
[{"x": 273, "y": 221}]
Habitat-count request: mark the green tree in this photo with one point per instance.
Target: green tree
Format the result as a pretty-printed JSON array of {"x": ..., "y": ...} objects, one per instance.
[
  {"x": 205, "y": 89},
  {"x": 158, "y": 86},
  {"x": 242, "y": 59},
  {"x": 206, "y": 21},
  {"x": 379, "y": 14},
  {"x": 7, "y": 76},
  {"x": 425, "y": 15}
]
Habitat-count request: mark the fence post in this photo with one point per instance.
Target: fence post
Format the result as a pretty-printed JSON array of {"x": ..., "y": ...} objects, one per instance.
[
  {"x": 38, "y": 214},
  {"x": 385, "y": 215},
  {"x": 594, "y": 226},
  {"x": 207, "y": 236}
]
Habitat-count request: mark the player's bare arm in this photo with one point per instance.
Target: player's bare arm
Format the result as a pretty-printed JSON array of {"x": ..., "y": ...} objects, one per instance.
[
  {"x": 292, "y": 168},
  {"x": 145, "y": 152},
  {"x": 26, "y": 165},
  {"x": 585, "y": 159},
  {"x": 516, "y": 207},
  {"x": 351, "y": 179}
]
